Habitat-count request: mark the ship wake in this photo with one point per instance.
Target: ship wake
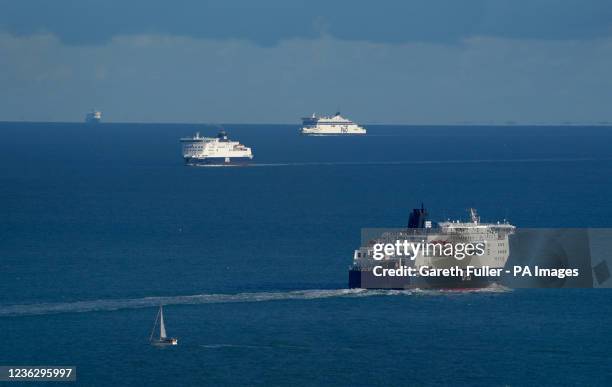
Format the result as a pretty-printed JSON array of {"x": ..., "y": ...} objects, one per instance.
[
  {"x": 416, "y": 162},
  {"x": 147, "y": 302}
]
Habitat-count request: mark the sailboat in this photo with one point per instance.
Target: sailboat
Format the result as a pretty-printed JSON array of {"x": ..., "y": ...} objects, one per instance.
[{"x": 163, "y": 338}]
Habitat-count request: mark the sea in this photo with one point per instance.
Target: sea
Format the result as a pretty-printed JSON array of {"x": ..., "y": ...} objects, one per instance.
[{"x": 100, "y": 224}]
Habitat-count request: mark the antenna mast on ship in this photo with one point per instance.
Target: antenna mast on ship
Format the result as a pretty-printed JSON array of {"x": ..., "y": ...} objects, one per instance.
[{"x": 474, "y": 216}]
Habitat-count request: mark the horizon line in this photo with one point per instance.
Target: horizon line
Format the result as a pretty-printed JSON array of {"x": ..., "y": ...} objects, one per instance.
[{"x": 466, "y": 123}]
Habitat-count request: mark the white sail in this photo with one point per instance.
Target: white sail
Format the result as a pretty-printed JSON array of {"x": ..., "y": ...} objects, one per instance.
[{"x": 162, "y": 327}]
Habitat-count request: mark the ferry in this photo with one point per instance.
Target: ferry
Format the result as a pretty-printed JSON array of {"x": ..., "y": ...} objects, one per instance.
[
  {"x": 475, "y": 271},
  {"x": 220, "y": 150},
  {"x": 93, "y": 117},
  {"x": 332, "y": 125}
]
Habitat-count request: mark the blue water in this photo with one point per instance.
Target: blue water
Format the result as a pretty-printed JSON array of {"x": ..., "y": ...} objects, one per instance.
[{"x": 100, "y": 224}]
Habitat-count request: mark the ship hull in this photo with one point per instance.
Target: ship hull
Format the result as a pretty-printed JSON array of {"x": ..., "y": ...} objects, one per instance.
[
  {"x": 365, "y": 279},
  {"x": 333, "y": 133},
  {"x": 218, "y": 161}
]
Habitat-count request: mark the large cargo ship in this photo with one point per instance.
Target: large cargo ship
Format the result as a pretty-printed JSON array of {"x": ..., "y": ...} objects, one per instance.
[
  {"x": 431, "y": 268},
  {"x": 334, "y": 125},
  {"x": 214, "y": 150}
]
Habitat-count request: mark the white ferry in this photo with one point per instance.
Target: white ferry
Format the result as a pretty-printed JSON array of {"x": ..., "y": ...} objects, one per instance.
[
  {"x": 496, "y": 251},
  {"x": 93, "y": 117},
  {"x": 214, "y": 150},
  {"x": 333, "y": 125}
]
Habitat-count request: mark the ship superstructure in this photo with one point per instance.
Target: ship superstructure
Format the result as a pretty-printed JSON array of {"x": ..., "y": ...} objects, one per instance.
[
  {"x": 493, "y": 236},
  {"x": 214, "y": 150},
  {"x": 333, "y": 125},
  {"x": 93, "y": 117}
]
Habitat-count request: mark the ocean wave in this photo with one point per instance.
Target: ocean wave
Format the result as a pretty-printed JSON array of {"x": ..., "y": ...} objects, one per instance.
[{"x": 147, "y": 302}]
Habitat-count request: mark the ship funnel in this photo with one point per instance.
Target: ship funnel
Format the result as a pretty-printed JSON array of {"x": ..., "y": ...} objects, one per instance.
[
  {"x": 418, "y": 218},
  {"x": 222, "y": 135}
]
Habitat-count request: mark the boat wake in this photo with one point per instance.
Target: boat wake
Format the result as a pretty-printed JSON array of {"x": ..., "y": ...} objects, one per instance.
[
  {"x": 147, "y": 302},
  {"x": 408, "y": 162},
  {"x": 247, "y": 346}
]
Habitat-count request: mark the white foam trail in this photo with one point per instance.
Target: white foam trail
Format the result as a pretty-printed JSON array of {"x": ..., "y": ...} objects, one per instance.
[
  {"x": 415, "y": 162},
  {"x": 146, "y": 302},
  {"x": 247, "y": 346}
]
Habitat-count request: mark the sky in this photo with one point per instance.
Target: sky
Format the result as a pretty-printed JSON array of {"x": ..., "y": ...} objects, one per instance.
[{"x": 274, "y": 61}]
